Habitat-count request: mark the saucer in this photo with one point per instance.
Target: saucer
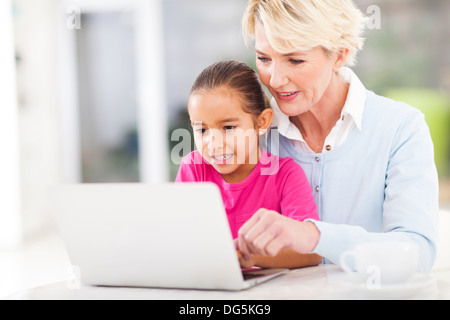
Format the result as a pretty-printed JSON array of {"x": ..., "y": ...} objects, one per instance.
[{"x": 405, "y": 290}]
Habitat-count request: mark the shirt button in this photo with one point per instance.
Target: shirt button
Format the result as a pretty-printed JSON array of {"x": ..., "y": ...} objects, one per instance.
[
  {"x": 317, "y": 159},
  {"x": 328, "y": 148},
  {"x": 317, "y": 188}
]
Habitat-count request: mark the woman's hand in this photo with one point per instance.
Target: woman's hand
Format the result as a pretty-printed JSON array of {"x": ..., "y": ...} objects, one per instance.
[{"x": 268, "y": 232}]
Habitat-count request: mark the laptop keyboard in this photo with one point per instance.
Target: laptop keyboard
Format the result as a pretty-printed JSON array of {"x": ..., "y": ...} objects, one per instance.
[{"x": 249, "y": 276}]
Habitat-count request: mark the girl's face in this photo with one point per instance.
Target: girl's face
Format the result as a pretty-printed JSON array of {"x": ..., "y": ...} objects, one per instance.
[
  {"x": 224, "y": 133},
  {"x": 297, "y": 81}
]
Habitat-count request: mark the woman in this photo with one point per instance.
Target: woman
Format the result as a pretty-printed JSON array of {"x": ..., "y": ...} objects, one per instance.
[{"x": 369, "y": 160}]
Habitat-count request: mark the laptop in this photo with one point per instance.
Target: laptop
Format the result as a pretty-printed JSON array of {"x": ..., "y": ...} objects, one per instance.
[{"x": 170, "y": 235}]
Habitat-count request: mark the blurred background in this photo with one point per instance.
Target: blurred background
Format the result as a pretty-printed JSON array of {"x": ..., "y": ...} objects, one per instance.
[{"x": 92, "y": 90}]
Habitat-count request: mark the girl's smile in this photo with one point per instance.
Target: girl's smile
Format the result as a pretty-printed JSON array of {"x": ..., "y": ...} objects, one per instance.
[
  {"x": 224, "y": 133},
  {"x": 221, "y": 159}
]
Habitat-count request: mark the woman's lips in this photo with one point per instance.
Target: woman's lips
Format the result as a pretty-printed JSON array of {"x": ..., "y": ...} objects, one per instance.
[{"x": 287, "y": 96}]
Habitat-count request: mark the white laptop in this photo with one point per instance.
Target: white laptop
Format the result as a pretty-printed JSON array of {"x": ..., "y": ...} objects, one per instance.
[{"x": 151, "y": 235}]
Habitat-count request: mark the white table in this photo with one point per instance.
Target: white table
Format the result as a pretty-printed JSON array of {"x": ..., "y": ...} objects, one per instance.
[{"x": 321, "y": 282}]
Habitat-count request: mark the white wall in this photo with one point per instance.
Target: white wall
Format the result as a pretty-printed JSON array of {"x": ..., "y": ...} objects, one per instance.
[
  {"x": 35, "y": 31},
  {"x": 10, "y": 219}
]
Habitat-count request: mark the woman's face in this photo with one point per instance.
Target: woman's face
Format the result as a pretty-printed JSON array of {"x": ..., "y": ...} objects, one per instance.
[{"x": 297, "y": 80}]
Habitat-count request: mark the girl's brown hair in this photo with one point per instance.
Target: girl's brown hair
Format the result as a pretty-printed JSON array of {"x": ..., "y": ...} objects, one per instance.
[{"x": 234, "y": 75}]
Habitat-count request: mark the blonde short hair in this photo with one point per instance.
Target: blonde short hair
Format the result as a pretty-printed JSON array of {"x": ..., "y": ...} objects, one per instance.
[{"x": 293, "y": 25}]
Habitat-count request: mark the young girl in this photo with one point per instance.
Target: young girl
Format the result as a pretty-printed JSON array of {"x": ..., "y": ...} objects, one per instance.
[{"x": 229, "y": 111}]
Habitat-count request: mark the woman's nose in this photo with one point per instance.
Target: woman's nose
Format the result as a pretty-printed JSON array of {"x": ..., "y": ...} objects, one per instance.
[{"x": 278, "y": 77}]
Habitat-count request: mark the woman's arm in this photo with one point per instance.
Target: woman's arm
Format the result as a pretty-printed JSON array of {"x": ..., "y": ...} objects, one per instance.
[
  {"x": 267, "y": 233},
  {"x": 410, "y": 209}
]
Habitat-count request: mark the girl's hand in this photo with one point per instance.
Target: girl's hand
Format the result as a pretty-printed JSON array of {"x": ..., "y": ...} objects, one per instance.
[{"x": 245, "y": 263}]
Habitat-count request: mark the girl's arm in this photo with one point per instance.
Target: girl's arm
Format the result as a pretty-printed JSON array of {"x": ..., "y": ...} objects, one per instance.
[{"x": 287, "y": 258}]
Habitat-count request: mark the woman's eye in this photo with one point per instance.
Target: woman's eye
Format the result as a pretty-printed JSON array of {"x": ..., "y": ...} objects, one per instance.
[
  {"x": 263, "y": 59},
  {"x": 297, "y": 61}
]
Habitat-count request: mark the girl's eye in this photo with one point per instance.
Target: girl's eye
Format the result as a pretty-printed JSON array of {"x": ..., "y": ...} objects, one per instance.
[
  {"x": 201, "y": 131},
  {"x": 229, "y": 128}
]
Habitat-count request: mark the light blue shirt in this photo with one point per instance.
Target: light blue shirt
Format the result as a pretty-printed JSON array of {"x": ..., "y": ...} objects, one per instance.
[{"x": 379, "y": 184}]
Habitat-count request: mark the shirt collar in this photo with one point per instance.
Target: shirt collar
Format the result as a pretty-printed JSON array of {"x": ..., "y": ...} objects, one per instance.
[
  {"x": 353, "y": 107},
  {"x": 356, "y": 97}
]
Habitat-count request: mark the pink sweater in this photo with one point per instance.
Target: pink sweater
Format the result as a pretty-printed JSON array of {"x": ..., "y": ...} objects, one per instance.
[{"x": 285, "y": 190}]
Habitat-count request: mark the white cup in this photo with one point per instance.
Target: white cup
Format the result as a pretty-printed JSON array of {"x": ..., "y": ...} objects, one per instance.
[{"x": 382, "y": 262}]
